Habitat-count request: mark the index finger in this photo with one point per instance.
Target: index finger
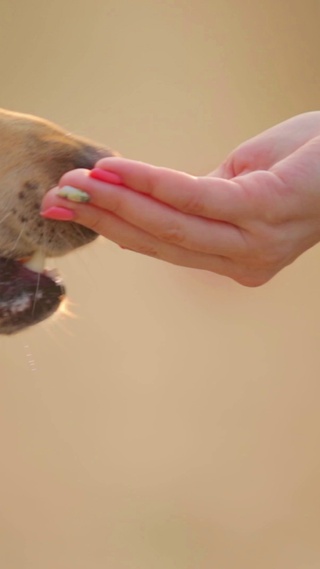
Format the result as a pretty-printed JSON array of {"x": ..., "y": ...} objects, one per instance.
[{"x": 205, "y": 196}]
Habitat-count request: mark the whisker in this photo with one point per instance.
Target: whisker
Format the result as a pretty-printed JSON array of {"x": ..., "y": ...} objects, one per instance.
[
  {"x": 7, "y": 208},
  {"x": 5, "y": 217},
  {"x": 18, "y": 238},
  {"x": 80, "y": 233},
  {"x": 35, "y": 294},
  {"x": 9, "y": 204}
]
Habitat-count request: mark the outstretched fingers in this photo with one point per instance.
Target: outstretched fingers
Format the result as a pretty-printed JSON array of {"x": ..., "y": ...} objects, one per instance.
[
  {"x": 162, "y": 221},
  {"x": 213, "y": 198},
  {"x": 135, "y": 239}
]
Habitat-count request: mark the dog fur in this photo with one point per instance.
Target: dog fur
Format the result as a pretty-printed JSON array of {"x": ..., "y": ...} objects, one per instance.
[{"x": 34, "y": 154}]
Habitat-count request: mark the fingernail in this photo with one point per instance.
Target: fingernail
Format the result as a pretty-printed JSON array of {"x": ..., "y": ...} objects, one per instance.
[
  {"x": 59, "y": 213},
  {"x": 105, "y": 176},
  {"x": 73, "y": 194}
]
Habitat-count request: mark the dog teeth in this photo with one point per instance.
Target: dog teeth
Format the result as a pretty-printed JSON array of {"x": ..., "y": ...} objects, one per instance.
[{"x": 36, "y": 263}]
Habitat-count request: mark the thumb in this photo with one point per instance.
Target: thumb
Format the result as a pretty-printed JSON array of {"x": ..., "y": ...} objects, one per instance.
[{"x": 300, "y": 173}]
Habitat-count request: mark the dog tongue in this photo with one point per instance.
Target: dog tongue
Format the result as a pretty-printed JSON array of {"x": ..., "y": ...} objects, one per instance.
[{"x": 26, "y": 297}]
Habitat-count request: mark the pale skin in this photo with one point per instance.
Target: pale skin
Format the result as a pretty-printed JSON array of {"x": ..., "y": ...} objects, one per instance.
[{"x": 247, "y": 220}]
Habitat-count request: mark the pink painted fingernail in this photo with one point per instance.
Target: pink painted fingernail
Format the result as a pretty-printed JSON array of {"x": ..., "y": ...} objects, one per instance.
[
  {"x": 105, "y": 176},
  {"x": 60, "y": 213}
]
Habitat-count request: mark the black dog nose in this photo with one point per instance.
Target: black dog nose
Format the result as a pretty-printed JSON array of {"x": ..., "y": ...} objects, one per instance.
[
  {"x": 88, "y": 155},
  {"x": 66, "y": 157}
]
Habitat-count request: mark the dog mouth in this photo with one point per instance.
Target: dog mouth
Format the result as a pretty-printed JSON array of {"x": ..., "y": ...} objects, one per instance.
[{"x": 28, "y": 292}]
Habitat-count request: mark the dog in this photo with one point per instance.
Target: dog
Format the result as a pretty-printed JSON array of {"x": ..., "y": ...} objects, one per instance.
[{"x": 34, "y": 154}]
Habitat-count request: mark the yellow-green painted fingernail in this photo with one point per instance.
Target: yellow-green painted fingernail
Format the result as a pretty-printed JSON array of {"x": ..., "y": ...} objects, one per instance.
[{"x": 73, "y": 194}]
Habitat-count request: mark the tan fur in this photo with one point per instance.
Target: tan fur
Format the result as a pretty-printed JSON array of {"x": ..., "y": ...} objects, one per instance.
[{"x": 34, "y": 153}]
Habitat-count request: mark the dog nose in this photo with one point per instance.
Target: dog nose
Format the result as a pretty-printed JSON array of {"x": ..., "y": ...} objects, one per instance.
[
  {"x": 71, "y": 156},
  {"x": 88, "y": 155}
]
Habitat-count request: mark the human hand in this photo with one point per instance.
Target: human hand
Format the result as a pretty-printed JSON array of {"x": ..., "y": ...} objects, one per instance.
[{"x": 246, "y": 220}]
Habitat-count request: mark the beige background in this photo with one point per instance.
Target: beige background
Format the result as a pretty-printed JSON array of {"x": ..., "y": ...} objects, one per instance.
[{"x": 174, "y": 423}]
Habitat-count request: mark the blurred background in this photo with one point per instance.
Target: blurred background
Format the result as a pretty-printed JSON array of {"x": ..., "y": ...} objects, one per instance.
[{"x": 173, "y": 422}]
